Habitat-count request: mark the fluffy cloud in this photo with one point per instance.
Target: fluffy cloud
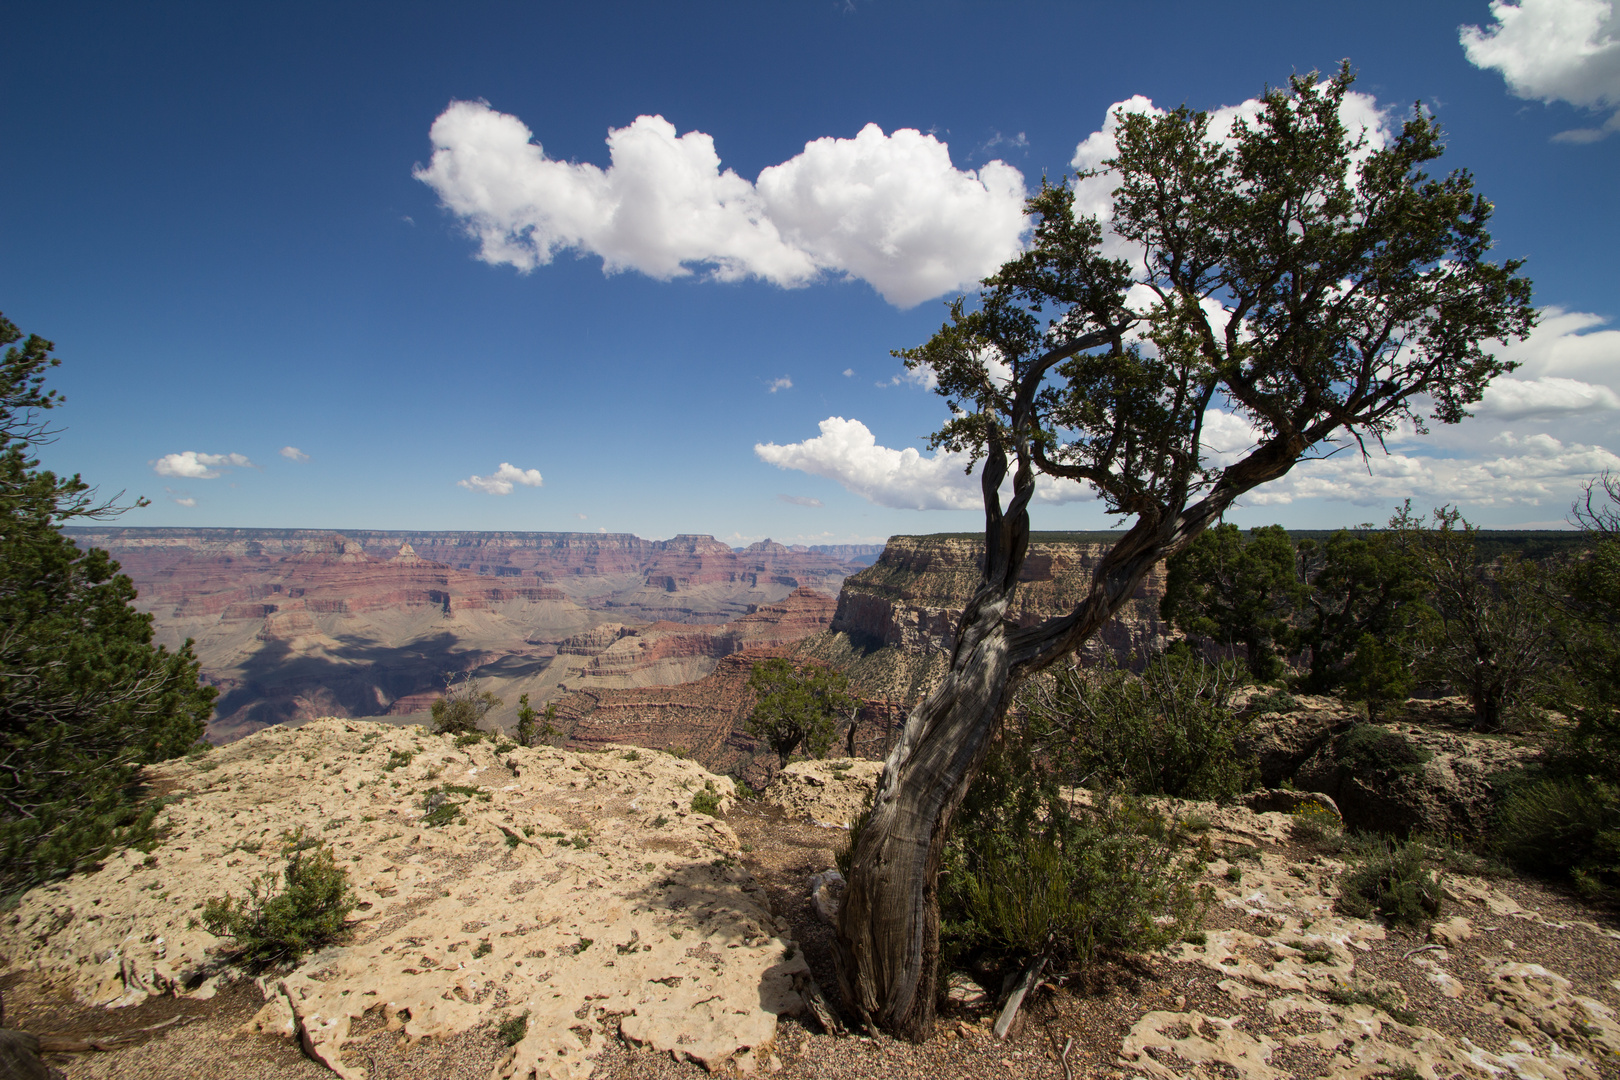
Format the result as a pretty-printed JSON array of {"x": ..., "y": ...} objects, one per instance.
[
  {"x": 500, "y": 481},
  {"x": 784, "y": 383},
  {"x": 1516, "y": 399},
  {"x": 1532, "y": 470},
  {"x": 846, "y": 451},
  {"x": 890, "y": 210},
  {"x": 1568, "y": 344},
  {"x": 1554, "y": 50},
  {"x": 191, "y": 465},
  {"x": 292, "y": 453},
  {"x": 800, "y": 500}
]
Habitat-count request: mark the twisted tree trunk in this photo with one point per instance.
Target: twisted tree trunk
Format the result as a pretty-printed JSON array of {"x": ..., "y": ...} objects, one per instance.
[{"x": 887, "y": 938}]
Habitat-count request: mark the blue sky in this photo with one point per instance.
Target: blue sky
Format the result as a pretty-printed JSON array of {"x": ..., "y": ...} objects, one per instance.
[{"x": 230, "y": 220}]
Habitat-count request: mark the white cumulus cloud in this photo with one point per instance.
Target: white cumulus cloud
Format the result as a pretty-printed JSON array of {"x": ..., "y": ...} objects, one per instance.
[
  {"x": 292, "y": 453},
  {"x": 890, "y": 210},
  {"x": 846, "y": 451},
  {"x": 501, "y": 481},
  {"x": 1532, "y": 470},
  {"x": 784, "y": 383},
  {"x": 1508, "y": 398},
  {"x": 192, "y": 465},
  {"x": 1554, "y": 50}
]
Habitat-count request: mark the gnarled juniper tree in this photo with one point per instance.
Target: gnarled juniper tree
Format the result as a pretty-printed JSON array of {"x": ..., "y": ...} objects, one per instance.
[
  {"x": 1317, "y": 287},
  {"x": 85, "y": 698}
]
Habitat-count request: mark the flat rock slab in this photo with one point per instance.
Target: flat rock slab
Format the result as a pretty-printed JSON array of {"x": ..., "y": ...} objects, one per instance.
[
  {"x": 1294, "y": 956},
  {"x": 579, "y": 889}
]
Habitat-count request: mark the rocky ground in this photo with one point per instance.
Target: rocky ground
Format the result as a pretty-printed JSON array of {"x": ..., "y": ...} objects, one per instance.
[{"x": 701, "y": 935}]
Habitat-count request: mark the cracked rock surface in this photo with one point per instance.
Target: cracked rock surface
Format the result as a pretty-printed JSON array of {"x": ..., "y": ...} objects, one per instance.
[{"x": 579, "y": 889}]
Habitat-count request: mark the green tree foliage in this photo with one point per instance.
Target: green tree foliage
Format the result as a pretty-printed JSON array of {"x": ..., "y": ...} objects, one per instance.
[
  {"x": 530, "y": 733},
  {"x": 1590, "y": 585},
  {"x": 462, "y": 709},
  {"x": 1561, "y": 819},
  {"x": 1322, "y": 290},
  {"x": 309, "y": 910},
  {"x": 797, "y": 704},
  {"x": 1364, "y": 601},
  {"x": 1237, "y": 594},
  {"x": 86, "y": 700},
  {"x": 1493, "y": 633},
  {"x": 1169, "y": 731}
]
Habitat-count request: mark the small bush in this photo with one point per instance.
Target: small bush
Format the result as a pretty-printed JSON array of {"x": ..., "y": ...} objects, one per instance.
[
  {"x": 484, "y": 949},
  {"x": 398, "y": 759},
  {"x": 1383, "y": 1000},
  {"x": 1028, "y": 873},
  {"x": 632, "y": 755},
  {"x": 1169, "y": 731},
  {"x": 440, "y": 809},
  {"x": 1314, "y": 823},
  {"x": 462, "y": 708},
  {"x": 707, "y": 801},
  {"x": 307, "y": 912},
  {"x": 1370, "y": 750},
  {"x": 469, "y": 738},
  {"x": 1562, "y": 827},
  {"x": 513, "y": 1030},
  {"x": 1278, "y": 701},
  {"x": 1387, "y": 877}
]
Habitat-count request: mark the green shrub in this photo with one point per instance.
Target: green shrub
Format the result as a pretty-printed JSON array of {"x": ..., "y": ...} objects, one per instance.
[
  {"x": 462, "y": 708},
  {"x": 707, "y": 801},
  {"x": 1028, "y": 873},
  {"x": 1389, "y": 878},
  {"x": 1562, "y": 827},
  {"x": 1278, "y": 701},
  {"x": 469, "y": 738},
  {"x": 440, "y": 809},
  {"x": 307, "y": 912},
  {"x": 1169, "y": 731},
  {"x": 1386, "y": 1001},
  {"x": 513, "y": 1030},
  {"x": 1314, "y": 823},
  {"x": 1370, "y": 750},
  {"x": 397, "y": 759}
]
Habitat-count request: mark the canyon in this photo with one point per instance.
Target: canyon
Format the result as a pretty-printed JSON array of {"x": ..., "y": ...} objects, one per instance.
[
  {"x": 635, "y": 641},
  {"x": 892, "y": 631},
  {"x": 292, "y": 624}
]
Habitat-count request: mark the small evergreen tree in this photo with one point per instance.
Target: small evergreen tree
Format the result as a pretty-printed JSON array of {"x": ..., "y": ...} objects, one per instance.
[
  {"x": 1363, "y": 590},
  {"x": 528, "y": 732},
  {"x": 797, "y": 705},
  {"x": 86, "y": 700},
  {"x": 1236, "y": 593},
  {"x": 1493, "y": 634},
  {"x": 463, "y": 707}
]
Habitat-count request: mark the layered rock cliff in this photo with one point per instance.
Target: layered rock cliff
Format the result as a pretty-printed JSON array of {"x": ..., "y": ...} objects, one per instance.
[
  {"x": 913, "y": 596},
  {"x": 291, "y": 624}
]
